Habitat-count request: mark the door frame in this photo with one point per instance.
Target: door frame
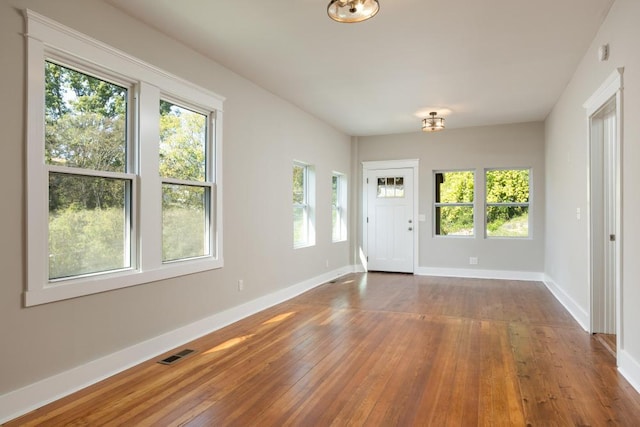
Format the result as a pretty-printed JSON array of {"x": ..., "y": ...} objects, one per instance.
[
  {"x": 611, "y": 88},
  {"x": 389, "y": 164}
]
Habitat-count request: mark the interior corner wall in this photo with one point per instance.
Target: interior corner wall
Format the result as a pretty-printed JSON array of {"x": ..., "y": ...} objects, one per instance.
[
  {"x": 566, "y": 153},
  {"x": 519, "y": 145},
  {"x": 262, "y": 136}
]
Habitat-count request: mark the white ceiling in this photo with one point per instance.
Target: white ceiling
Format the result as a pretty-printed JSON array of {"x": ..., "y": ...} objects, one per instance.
[{"x": 477, "y": 62}]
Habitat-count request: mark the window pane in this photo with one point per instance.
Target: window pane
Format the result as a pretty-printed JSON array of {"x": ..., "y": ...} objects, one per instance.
[
  {"x": 454, "y": 220},
  {"x": 508, "y": 186},
  {"x": 88, "y": 226},
  {"x": 335, "y": 234},
  {"x": 183, "y": 135},
  {"x": 300, "y": 230},
  {"x": 454, "y": 187},
  {"x": 508, "y": 221},
  {"x": 382, "y": 187},
  {"x": 184, "y": 222},
  {"x": 299, "y": 185},
  {"x": 399, "y": 190},
  {"x": 85, "y": 121},
  {"x": 335, "y": 218}
]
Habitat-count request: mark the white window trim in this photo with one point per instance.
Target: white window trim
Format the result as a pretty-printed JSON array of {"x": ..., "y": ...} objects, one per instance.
[
  {"x": 472, "y": 205},
  {"x": 47, "y": 38},
  {"x": 341, "y": 206},
  {"x": 528, "y": 205}
]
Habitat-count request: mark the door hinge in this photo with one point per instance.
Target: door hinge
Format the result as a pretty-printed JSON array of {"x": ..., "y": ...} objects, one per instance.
[
  {"x": 367, "y": 258},
  {"x": 612, "y": 237},
  {"x": 367, "y": 220},
  {"x": 367, "y": 180}
]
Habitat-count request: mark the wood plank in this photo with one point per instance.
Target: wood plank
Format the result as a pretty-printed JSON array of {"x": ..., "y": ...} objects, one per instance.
[{"x": 376, "y": 349}]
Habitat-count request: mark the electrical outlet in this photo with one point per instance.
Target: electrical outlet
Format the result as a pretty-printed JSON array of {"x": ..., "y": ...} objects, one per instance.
[
  {"x": 473, "y": 260},
  {"x": 240, "y": 284}
]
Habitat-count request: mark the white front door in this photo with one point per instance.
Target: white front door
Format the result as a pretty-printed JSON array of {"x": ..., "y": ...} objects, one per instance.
[{"x": 390, "y": 223}]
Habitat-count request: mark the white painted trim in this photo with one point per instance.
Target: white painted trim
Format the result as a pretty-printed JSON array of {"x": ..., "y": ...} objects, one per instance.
[
  {"x": 480, "y": 274},
  {"x": 577, "y": 312},
  {"x": 52, "y": 33},
  {"x": 33, "y": 396},
  {"x": 629, "y": 368},
  {"x": 46, "y": 38},
  {"x": 393, "y": 164},
  {"x": 612, "y": 87},
  {"x": 605, "y": 92}
]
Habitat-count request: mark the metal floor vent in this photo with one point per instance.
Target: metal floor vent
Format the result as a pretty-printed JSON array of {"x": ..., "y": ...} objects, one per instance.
[{"x": 175, "y": 357}]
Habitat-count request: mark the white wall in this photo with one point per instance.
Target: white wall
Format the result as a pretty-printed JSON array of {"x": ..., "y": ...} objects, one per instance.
[
  {"x": 262, "y": 135},
  {"x": 478, "y": 148},
  {"x": 566, "y": 255}
]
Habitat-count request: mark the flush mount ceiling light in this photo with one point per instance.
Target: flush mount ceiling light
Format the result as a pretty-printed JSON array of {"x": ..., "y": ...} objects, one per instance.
[
  {"x": 350, "y": 11},
  {"x": 433, "y": 123}
]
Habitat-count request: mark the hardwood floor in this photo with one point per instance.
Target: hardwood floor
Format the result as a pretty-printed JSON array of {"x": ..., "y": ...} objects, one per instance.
[
  {"x": 608, "y": 341},
  {"x": 377, "y": 350}
]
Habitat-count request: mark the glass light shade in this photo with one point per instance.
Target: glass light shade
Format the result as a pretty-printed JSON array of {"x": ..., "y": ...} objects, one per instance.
[
  {"x": 433, "y": 123},
  {"x": 352, "y": 10}
]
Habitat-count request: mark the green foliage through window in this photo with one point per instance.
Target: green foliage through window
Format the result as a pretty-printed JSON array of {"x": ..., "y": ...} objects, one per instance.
[
  {"x": 507, "y": 196},
  {"x": 183, "y": 136},
  {"x": 300, "y": 205},
  {"x": 454, "y": 203},
  {"x": 86, "y": 130}
]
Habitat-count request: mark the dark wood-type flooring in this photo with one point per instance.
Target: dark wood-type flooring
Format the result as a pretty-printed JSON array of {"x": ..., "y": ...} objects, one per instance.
[{"x": 376, "y": 350}]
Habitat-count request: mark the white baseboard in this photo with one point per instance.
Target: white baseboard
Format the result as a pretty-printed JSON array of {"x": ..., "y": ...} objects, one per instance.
[
  {"x": 33, "y": 396},
  {"x": 578, "y": 313},
  {"x": 480, "y": 274},
  {"x": 629, "y": 368}
]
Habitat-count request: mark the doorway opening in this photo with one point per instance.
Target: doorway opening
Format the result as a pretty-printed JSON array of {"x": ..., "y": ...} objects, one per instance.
[{"x": 604, "y": 112}]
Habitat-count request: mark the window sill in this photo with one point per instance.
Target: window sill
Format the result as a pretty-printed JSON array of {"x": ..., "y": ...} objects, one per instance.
[{"x": 73, "y": 288}]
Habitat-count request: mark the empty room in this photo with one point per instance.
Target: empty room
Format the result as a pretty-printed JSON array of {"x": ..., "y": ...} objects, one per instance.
[{"x": 309, "y": 213}]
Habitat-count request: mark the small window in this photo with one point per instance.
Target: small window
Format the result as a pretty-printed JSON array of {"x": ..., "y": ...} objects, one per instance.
[
  {"x": 454, "y": 203},
  {"x": 507, "y": 202},
  {"x": 303, "y": 221},
  {"x": 339, "y": 207}
]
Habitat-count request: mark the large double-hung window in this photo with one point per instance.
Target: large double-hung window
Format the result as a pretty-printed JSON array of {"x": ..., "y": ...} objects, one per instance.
[{"x": 123, "y": 181}]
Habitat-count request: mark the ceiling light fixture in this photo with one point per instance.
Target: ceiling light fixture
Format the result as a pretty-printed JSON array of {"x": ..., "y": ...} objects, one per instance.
[
  {"x": 433, "y": 123},
  {"x": 350, "y": 11}
]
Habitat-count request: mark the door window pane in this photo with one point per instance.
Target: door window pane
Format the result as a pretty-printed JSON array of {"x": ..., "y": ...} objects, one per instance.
[{"x": 391, "y": 187}]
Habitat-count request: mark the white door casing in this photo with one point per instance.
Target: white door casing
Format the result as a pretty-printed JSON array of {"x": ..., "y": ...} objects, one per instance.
[
  {"x": 604, "y": 113},
  {"x": 390, "y": 233}
]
